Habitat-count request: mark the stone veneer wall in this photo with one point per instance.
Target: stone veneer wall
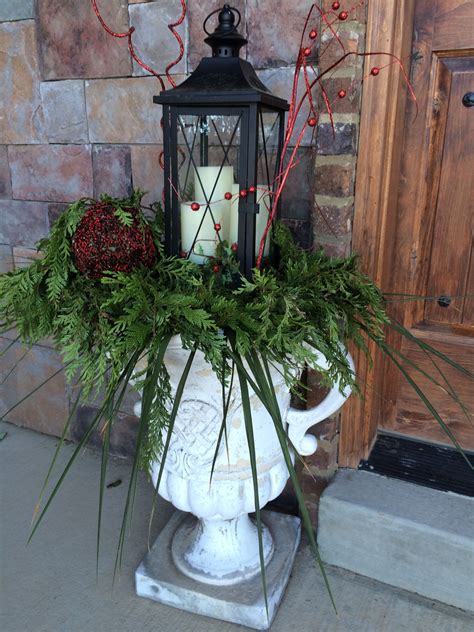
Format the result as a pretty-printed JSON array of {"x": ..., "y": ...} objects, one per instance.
[{"x": 77, "y": 119}]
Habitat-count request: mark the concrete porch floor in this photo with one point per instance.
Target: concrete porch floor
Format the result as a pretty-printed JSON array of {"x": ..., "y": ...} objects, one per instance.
[{"x": 50, "y": 585}]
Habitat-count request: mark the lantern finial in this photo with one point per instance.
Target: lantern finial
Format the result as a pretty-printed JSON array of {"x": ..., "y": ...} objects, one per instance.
[{"x": 226, "y": 41}]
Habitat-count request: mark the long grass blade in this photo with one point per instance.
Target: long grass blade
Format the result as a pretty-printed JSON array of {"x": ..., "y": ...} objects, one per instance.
[
  {"x": 426, "y": 347},
  {"x": 9, "y": 346},
  {"x": 56, "y": 453},
  {"x": 82, "y": 443},
  {"x": 21, "y": 358},
  {"x": 223, "y": 428},
  {"x": 174, "y": 412},
  {"x": 448, "y": 389},
  {"x": 37, "y": 388},
  {"x": 426, "y": 402},
  {"x": 149, "y": 389},
  {"x": 264, "y": 379},
  {"x": 247, "y": 410}
]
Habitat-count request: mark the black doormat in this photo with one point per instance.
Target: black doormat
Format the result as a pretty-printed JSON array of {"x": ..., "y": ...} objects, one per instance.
[{"x": 421, "y": 463}]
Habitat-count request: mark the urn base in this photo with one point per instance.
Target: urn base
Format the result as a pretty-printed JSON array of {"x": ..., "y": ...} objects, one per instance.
[{"x": 159, "y": 579}]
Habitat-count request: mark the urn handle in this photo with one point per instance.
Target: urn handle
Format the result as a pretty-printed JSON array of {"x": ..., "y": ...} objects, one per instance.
[{"x": 299, "y": 421}]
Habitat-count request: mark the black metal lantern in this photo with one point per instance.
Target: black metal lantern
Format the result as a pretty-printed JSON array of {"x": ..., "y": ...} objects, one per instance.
[{"x": 223, "y": 133}]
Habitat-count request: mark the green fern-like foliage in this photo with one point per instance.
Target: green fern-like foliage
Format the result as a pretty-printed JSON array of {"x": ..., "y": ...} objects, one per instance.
[
  {"x": 115, "y": 330},
  {"x": 309, "y": 302}
]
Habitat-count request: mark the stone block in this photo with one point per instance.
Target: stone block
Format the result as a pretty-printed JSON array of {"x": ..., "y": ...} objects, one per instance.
[
  {"x": 197, "y": 13},
  {"x": 274, "y": 32},
  {"x": 22, "y": 223},
  {"x": 64, "y": 109},
  {"x": 73, "y": 44},
  {"x": 153, "y": 41},
  {"x": 333, "y": 246},
  {"x": 56, "y": 173},
  {"x": 122, "y": 110},
  {"x": 23, "y": 257},
  {"x": 147, "y": 173},
  {"x": 54, "y": 211},
  {"x": 404, "y": 535},
  {"x": 21, "y": 119},
  {"x": 47, "y": 409},
  {"x": 122, "y": 438},
  {"x": 6, "y": 258},
  {"x": 335, "y": 179},
  {"x": 5, "y": 180},
  {"x": 301, "y": 231},
  {"x": 112, "y": 166},
  {"x": 350, "y": 104},
  {"x": 333, "y": 219},
  {"x": 356, "y": 10},
  {"x": 343, "y": 140},
  {"x": 12, "y": 10},
  {"x": 333, "y": 49}
]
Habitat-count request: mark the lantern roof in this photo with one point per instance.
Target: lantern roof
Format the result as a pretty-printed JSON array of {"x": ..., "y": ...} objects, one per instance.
[{"x": 223, "y": 79}]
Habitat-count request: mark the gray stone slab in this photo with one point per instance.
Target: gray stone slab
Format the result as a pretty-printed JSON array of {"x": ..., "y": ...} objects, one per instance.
[
  {"x": 409, "y": 536},
  {"x": 12, "y": 10},
  {"x": 158, "y": 578},
  {"x": 64, "y": 109}
]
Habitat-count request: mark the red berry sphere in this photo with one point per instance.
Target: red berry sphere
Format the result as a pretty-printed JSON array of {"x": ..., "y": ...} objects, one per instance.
[
  {"x": 195, "y": 206},
  {"x": 228, "y": 195},
  {"x": 336, "y": 5},
  {"x": 312, "y": 121},
  {"x": 342, "y": 94},
  {"x": 313, "y": 34},
  {"x": 375, "y": 71},
  {"x": 102, "y": 243},
  {"x": 343, "y": 15}
]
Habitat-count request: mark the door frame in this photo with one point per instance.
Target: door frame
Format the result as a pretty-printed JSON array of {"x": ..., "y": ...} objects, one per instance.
[{"x": 389, "y": 29}]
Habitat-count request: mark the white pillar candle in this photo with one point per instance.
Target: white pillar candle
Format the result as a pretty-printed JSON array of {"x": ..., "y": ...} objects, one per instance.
[
  {"x": 263, "y": 198},
  {"x": 215, "y": 182},
  {"x": 207, "y": 239},
  {"x": 234, "y": 214}
]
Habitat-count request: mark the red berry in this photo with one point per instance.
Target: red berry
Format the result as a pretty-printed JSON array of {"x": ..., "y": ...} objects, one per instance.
[
  {"x": 375, "y": 71},
  {"x": 183, "y": 254},
  {"x": 216, "y": 268},
  {"x": 336, "y": 5},
  {"x": 307, "y": 52},
  {"x": 217, "y": 227},
  {"x": 102, "y": 243},
  {"x": 312, "y": 121},
  {"x": 341, "y": 94},
  {"x": 243, "y": 193},
  {"x": 313, "y": 34},
  {"x": 195, "y": 206},
  {"x": 343, "y": 15},
  {"x": 234, "y": 247},
  {"x": 252, "y": 189},
  {"x": 228, "y": 195}
]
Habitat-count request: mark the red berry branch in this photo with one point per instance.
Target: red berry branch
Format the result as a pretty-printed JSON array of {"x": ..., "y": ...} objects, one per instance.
[
  {"x": 128, "y": 34},
  {"x": 329, "y": 21}
]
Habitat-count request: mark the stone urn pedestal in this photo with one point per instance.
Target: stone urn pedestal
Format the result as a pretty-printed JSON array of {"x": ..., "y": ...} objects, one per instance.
[{"x": 207, "y": 560}]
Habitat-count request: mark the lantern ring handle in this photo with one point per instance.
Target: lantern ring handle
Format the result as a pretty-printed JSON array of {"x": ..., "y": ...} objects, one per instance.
[{"x": 236, "y": 26}]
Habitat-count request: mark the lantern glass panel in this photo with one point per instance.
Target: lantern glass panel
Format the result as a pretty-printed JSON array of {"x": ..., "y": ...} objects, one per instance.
[
  {"x": 267, "y": 169},
  {"x": 208, "y": 167}
]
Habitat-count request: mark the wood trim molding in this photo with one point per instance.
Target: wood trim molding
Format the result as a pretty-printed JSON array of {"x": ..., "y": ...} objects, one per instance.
[{"x": 389, "y": 29}]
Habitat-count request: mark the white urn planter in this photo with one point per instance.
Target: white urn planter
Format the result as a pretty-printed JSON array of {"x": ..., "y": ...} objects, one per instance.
[{"x": 207, "y": 560}]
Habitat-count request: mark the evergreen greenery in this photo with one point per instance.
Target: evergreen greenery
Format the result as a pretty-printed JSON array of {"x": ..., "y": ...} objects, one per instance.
[{"x": 104, "y": 328}]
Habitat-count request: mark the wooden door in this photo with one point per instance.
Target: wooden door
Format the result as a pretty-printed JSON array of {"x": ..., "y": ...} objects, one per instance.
[{"x": 433, "y": 253}]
